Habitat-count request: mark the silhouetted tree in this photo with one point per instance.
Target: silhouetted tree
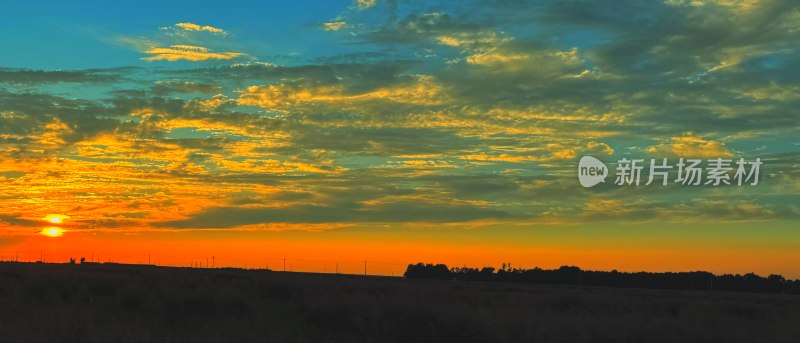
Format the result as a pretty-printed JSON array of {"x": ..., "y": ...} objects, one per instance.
[
  {"x": 427, "y": 271},
  {"x": 697, "y": 280}
]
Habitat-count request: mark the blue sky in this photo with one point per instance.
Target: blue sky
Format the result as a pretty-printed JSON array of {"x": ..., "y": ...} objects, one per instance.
[{"x": 80, "y": 35}]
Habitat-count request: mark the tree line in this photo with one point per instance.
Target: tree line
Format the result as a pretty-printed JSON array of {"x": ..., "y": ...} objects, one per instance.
[{"x": 570, "y": 275}]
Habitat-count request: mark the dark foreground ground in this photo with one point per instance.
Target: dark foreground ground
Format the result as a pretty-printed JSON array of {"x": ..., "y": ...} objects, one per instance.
[{"x": 117, "y": 303}]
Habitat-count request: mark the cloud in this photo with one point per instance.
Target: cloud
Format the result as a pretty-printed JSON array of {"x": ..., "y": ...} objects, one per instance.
[
  {"x": 38, "y": 124},
  {"x": 334, "y": 25},
  {"x": 195, "y": 27},
  {"x": 430, "y": 111},
  {"x": 365, "y": 4},
  {"x": 28, "y": 76},
  {"x": 599, "y": 147},
  {"x": 14, "y": 220},
  {"x": 393, "y": 212},
  {"x": 775, "y": 92},
  {"x": 182, "y": 42},
  {"x": 494, "y": 58},
  {"x": 272, "y": 166},
  {"x": 741, "y": 5},
  {"x": 421, "y": 90},
  {"x": 169, "y": 87},
  {"x": 497, "y": 158},
  {"x": 187, "y": 52},
  {"x": 689, "y": 145}
]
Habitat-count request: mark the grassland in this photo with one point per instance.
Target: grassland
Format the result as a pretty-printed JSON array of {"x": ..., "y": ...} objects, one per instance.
[{"x": 119, "y": 303}]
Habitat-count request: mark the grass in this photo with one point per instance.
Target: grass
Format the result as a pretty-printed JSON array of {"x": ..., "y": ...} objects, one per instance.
[{"x": 119, "y": 303}]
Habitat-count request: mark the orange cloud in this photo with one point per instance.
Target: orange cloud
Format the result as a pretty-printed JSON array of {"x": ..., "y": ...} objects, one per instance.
[
  {"x": 498, "y": 158},
  {"x": 423, "y": 91},
  {"x": 561, "y": 152},
  {"x": 690, "y": 145},
  {"x": 187, "y": 52}
]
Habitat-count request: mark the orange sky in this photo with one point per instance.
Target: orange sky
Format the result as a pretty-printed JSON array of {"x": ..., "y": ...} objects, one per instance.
[{"x": 722, "y": 248}]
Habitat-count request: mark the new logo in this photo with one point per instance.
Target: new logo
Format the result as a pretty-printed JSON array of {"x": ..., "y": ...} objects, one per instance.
[{"x": 591, "y": 171}]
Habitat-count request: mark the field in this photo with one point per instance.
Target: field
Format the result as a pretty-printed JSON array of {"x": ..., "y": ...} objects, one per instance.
[{"x": 123, "y": 303}]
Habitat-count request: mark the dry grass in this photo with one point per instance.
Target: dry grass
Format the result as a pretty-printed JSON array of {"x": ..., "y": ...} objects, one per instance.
[{"x": 74, "y": 303}]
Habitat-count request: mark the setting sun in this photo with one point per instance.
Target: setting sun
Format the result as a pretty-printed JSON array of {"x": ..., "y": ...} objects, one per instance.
[
  {"x": 55, "y": 218},
  {"x": 52, "y": 231}
]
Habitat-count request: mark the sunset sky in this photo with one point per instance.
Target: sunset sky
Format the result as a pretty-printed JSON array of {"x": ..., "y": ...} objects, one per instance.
[{"x": 397, "y": 131}]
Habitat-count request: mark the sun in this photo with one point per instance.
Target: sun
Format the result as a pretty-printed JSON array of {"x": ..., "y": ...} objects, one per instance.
[
  {"x": 52, "y": 231},
  {"x": 56, "y": 218}
]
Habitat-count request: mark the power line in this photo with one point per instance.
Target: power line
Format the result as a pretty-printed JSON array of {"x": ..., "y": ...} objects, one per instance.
[{"x": 337, "y": 266}]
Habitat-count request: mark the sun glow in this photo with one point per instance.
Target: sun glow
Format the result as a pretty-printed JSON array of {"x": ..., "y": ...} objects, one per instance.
[
  {"x": 55, "y": 218},
  {"x": 52, "y": 231}
]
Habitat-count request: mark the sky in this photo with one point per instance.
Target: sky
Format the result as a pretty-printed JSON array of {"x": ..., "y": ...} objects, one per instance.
[{"x": 329, "y": 133}]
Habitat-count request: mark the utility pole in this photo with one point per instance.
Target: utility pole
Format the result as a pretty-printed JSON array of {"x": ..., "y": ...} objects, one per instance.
[
  {"x": 337, "y": 267},
  {"x": 365, "y": 267},
  {"x": 284, "y": 264},
  {"x": 213, "y": 264},
  {"x": 148, "y": 258}
]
